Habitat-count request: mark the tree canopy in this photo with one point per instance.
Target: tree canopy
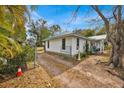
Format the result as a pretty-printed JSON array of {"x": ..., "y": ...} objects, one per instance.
[
  {"x": 101, "y": 31},
  {"x": 85, "y": 32},
  {"x": 55, "y": 29},
  {"x": 12, "y": 28},
  {"x": 88, "y": 32}
]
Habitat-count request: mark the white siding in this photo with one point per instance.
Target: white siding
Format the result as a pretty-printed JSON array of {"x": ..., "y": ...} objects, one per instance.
[
  {"x": 55, "y": 45},
  {"x": 82, "y": 44}
]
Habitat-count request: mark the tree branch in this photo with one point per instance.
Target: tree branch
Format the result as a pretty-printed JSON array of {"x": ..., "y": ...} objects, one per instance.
[
  {"x": 114, "y": 15},
  {"x": 74, "y": 15},
  {"x": 95, "y": 7}
]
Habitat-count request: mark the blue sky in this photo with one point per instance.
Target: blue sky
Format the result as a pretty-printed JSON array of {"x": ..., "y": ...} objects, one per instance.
[{"x": 61, "y": 15}]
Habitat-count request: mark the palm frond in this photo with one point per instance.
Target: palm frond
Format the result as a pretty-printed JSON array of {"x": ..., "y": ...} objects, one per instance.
[{"x": 9, "y": 46}]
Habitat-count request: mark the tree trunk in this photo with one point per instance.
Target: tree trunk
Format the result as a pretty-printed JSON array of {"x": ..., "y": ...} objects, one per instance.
[
  {"x": 116, "y": 57},
  {"x": 114, "y": 35},
  {"x": 117, "y": 50}
]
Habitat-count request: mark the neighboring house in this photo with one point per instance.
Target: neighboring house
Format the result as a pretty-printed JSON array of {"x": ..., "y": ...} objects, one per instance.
[{"x": 69, "y": 43}]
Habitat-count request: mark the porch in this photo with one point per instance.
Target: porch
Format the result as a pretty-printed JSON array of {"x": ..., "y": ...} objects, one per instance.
[{"x": 96, "y": 46}]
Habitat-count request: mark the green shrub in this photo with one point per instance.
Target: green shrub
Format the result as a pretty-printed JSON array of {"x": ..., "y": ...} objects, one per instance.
[
  {"x": 27, "y": 55},
  {"x": 108, "y": 47},
  {"x": 89, "y": 52},
  {"x": 83, "y": 55}
]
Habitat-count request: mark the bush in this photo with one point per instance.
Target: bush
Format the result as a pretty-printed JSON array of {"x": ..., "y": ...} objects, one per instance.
[
  {"x": 108, "y": 47},
  {"x": 83, "y": 55},
  {"x": 89, "y": 53},
  {"x": 27, "y": 55}
]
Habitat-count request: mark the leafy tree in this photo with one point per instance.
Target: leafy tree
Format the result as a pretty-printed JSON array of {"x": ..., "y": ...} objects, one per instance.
[
  {"x": 87, "y": 32},
  {"x": 8, "y": 47},
  {"x": 40, "y": 30},
  {"x": 12, "y": 19},
  {"x": 55, "y": 29},
  {"x": 44, "y": 33},
  {"x": 101, "y": 31},
  {"x": 77, "y": 31},
  {"x": 12, "y": 38}
]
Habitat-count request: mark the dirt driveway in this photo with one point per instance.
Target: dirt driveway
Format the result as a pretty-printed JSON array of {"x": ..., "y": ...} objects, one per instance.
[
  {"x": 85, "y": 74},
  {"x": 53, "y": 65}
]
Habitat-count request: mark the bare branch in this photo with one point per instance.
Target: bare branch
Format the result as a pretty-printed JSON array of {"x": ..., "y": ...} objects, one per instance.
[
  {"x": 95, "y": 7},
  {"x": 74, "y": 15},
  {"x": 114, "y": 15}
]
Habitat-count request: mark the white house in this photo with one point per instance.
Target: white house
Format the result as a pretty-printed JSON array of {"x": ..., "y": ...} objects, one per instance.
[{"x": 69, "y": 43}]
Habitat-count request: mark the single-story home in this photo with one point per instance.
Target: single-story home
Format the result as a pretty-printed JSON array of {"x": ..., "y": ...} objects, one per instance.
[{"x": 72, "y": 44}]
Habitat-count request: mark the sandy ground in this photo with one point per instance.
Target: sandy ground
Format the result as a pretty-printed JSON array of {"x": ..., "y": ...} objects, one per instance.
[
  {"x": 31, "y": 79},
  {"x": 84, "y": 74},
  {"x": 88, "y": 74},
  {"x": 56, "y": 72}
]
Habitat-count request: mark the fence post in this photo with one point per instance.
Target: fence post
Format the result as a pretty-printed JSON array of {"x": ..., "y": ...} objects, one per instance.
[
  {"x": 35, "y": 52},
  {"x": 34, "y": 56}
]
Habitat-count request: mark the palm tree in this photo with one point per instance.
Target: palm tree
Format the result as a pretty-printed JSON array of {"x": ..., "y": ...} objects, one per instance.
[
  {"x": 12, "y": 19},
  {"x": 8, "y": 47}
]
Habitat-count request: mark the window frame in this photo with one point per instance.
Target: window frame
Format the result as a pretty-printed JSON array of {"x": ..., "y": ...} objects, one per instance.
[
  {"x": 48, "y": 44},
  {"x": 78, "y": 41},
  {"x": 63, "y": 44}
]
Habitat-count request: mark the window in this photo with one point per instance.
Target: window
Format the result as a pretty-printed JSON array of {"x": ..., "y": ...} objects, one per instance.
[
  {"x": 63, "y": 44},
  {"x": 47, "y": 44},
  {"x": 77, "y": 43}
]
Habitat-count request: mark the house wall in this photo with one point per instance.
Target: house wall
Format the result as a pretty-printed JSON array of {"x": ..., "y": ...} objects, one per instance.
[
  {"x": 82, "y": 43},
  {"x": 55, "y": 45}
]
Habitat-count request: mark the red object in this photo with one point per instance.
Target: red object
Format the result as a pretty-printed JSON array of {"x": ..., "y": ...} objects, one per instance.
[{"x": 19, "y": 73}]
